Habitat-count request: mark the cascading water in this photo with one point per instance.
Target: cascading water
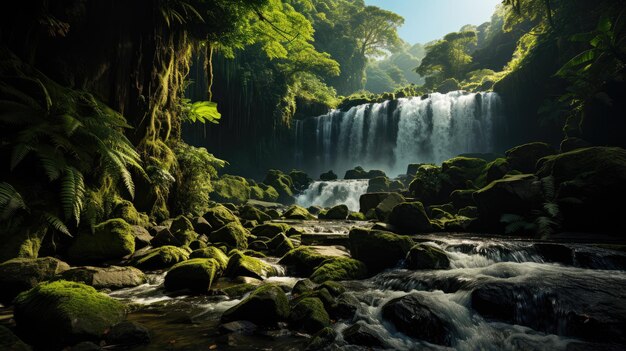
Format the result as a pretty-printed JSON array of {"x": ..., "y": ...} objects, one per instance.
[
  {"x": 331, "y": 193},
  {"x": 392, "y": 134}
]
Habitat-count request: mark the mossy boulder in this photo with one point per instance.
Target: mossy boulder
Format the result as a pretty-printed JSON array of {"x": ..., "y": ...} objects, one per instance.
[
  {"x": 230, "y": 188},
  {"x": 322, "y": 339},
  {"x": 263, "y": 192},
  {"x": 524, "y": 157},
  {"x": 125, "y": 210},
  {"x": 265, "y": 306},
  {"x": 573, "y": 143},
  {"x": 356, "y": 173},
  {"x": 254, "y": 214},
  {"x": 232, "y": 234},
  {"x": 247, "y": 266},
  {"x": 384, "y": 208},
  {"x": 142, "y": 236},
  {"x": 469, "y": 212},
  {"x": 280, "y": 245},
  {"x": 378, "y": 249},
  {"x": 112, "y": 277},
  {"x": 181, "y": 224},
  {"x": 339, "y": 268},
  {"x": 378, "y": 184},
  {"x": 20, "y": 243},
  {"x": 160, "y": 258},
  {"x": 495, "y": 170},
  {"x": 427, "y": 257},
  {"x": 412, "y": 168},
  {"x": 337, "y": 212},
  {"x": 309, "y": 315},
  {"x": 410, "y": 218},
  {"x": 21, "y": 274},
  {"x": 459, "y": 170},
  {"x": 283, "y": 184},
  {"x": 219, "y": 216},
  {"x": 369, "y": 201},
  {"x": 356, "y": 216},
  {"x": 270, "y": 230},
  {"x": 328, "y": 176},
  {"x": 429, "y": 184},
  {"x": 462, "y": 198},
  {"x": 238, "y": 290},
  {"x": 62, "y": 313},
  {"x": 179, "y": 238},
  {"x": 211, "y": 252},
  {"x": 298, "y": 212},
  {"x": 110, "y": 240},
  {"x": 196, "y": 274},
  {"x": 300, "y": 180},
  {"x": 303, "y": 260},
  {"x": 303, "y": 286}
]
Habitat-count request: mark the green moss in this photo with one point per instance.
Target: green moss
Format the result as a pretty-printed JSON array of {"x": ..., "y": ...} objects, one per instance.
[
  {"x": 61, "y": 311},
  {"x": 428, "y": 184},
  {"x": 356, "y": 216},
  {"x": 233, "y": 234},
  {"x": 160, "y": 258},
  {"x": 211, "y": 252},
  {"x": 21, "y": 274},
  {"x": 185, "y": 238},
  {"x": 524, "y": 157},
  {"x": 197, "y": 245},
  {"x": 304, "y": 259},
  {"x": 231, "y": 188},
  {"x": 410, "y": 218},
  {"x": 21, "y": 243},
  {"x": 254, "y": 214},
  {"x": 438, "y": 213},
  {"x": 337, "y": 212},
  {"x": 195, "y": 274},
  {"x": 283, "y": 185},
  {"x": 309, "y": 315},
  {"x": 339, "y": 268},
  {"x": 181, "y": 224},
  {"x": 427, "y": 257},
  {"x": 322, "y": 339},
  {"x": 297, "y": 212},
  {"x": 125, "y": 210},
  {"x": 237, "y": 291},
  {"x": 378, "y": 249},
  {"x": 253, "y": 253},
  {"x": 219, "y": 216},
  {"x": 112, "y": 239},
  {"x": 265, "y": 306},
  {"x": 303, "y": 286},
  {"x": 280, "y": 244},
  {"x": 378, "y": 184},
  {"x": 460, "y": 170},
  {"x": 334, "y": 288},
  {"x": 300, "y": 179},
  {"x": 246, "y": 266},
  {"x": 494, "y": 170},
  {"x": 270, "y": 230},
  {"x": 270, "y": 194}
]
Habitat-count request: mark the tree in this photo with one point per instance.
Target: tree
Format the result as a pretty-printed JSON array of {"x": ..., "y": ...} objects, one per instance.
[
  {"x": 376, "y": 31},
  {"x": 447, "y": 58}
]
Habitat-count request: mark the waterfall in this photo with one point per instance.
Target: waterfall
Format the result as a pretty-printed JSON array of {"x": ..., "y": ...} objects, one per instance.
[
  {"x": 392, "y": 134},
  {"x": 331, "y": 193}
]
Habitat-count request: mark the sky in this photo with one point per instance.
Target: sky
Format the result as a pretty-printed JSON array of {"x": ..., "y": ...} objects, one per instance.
[{"x": 427, "y": 20}]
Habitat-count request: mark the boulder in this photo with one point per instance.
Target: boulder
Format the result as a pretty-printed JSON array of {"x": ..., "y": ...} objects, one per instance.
[
  {"x": 125, "y": 210},
  {"x": 61, "y": 313},
  {"x": 429, "y": 185},
  {"x": 254, "y": 214},
  {"x": 201, "y": 226},
  {"x": 412, "y": 168},
  {"x": 409, "y": 218},
  {"x": 280, "y": 245},
  {"x": 21, "y": 274},
  {"x": 363, "y": 335},
  {"x": 300, "y": 180},
  {"x": 412, "y": 315},
  {"x": 110, "y": 240},
  {"x": 219, "y": 216},
  {"x": 346, "y": 306},
  {"x": 231, "y": 189},
  {"x": 196, "y": 274},
  {"x": 212, "y": 252},
  {"x": 283, "y": 184},
  {"x": 375, "y": 173},
  {"x": 524, "y": 157},
  {"x": 339, "y": 268},
  {"x": 427, "y": 257},
  {"x": 383, "y": 209},
  {"x": 20, "y": 243},
  {"x": 270, "y": 230},
  {"x": 469, "y": 212},
  {"x": 321, "y": 339},
  {"x": 459, "y": 170},
  {"x": 330, "y": 175},
  {"x": 573, "y": 143},
  {"x": 309, "y": 315},
  {"x": 356, "y": 216},
  {"x": 297, "y": 212},
  {"x": 197, "y": 244},
  {"x": 303, "y": 286},
  {"x": 462, "y": 198},
  {"x": 495, "y": 170},
  {"x": 242, "y": 265},
  {"x": 337, "y": 212},
  {"x": 128, "y": 334},
  {"x": 378, "y": 249},
  {"x": 265, "y": 306},
  {"x": 181, "y": 224},
  {"x": 369, "y": 201},
  {"x": 160, "y": 258},
  {"x": 378, "y": 184},
  {"x": 356, "y": 173},
  {"x": 112, "y": 277},
  {"x": 305, "y": 259},
  {"x": 233, "y": 234}
]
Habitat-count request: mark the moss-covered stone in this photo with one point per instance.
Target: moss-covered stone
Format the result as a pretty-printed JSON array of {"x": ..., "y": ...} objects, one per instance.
[
  {"x": 337, "y": 212},
  {"x": 282, "y": 183},
  {"x": 274, "y": 213},
  {"x": 469, "y": 212},
  {"x": 270, "y": 230},
  {"x": 309, "y": 315},
  {"x": 304, "y": 260},
  {"x": 238, "y": 290},
  {"x": 378, "y": 249},
  {"x": 265, "y": 306},
  {"x": 229, "y": 188},
  {"x": 334, "y": 288},
  {"x": 196, "y": 274},
  {"x": 428, "y": 184},
  {"x": 378, "y": 184},
  {"x": 462, "y": 198},
  {"x": 322, "y": 339},
  {"x": 219, "y": 216},
  {"x": 459, "y": 170},
  {"x": 300, "y": 180},
  {"x": 112, "y": 277},
  {"x": 197, "y": 245},
  {"x": 160, "y": 258},
  {"x": 438, "y": 213},
  {"x": 494, "y": 170},
  {"x": 211, "y": 252},
  {"x": 254, "y": 214},
  {"x": 253, "y": 253},
  {"x": 384, "y": 208},
  {"x": 427, "y": 257},
  {"x": 61, "y": 313},
  {"x": 280, "y": 245},
  {"x": 112, "y": 239},
  {"x": 232, "y": 234},
  {"x": 242, "y": 265},
  {"x": 339, "y": 268},
  {"x": 410, "y": 218},
  {"x": 20, "y": 243},
  {"x": 356, "y": 216},
  {"x": 328, "y": 176},
  {"x": 357, "y": 173},
  {"x": 369, "y": 201},
  {"x": 303, "y": 286},
  {"x": 181, "y": 224},
  {"x": 270, "y": 194},
  {"x": 524, "y": 157},
  {"x": 21, "y": 274},
  {"x": 298, "y": 212},
  {"x": 125, "y": 210}
]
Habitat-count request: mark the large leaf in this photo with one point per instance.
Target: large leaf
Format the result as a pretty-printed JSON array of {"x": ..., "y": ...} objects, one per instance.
[{"x": 584, "y": 57}]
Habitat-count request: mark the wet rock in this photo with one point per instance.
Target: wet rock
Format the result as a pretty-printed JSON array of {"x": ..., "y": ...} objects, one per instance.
[
  {"x": 297, "y": 212},
  {"x": 330, "y": 175},
  {"x": 346, "y": 306},
  {"x": 333, "y": 287},
  {"x": 429, "y": 186},
  {"x": 303, "y": 260},
  {"x": 283, "y": 185},
  {"x": 266, "y": 306},
  {"x": 339, "y": 268},
  {"x": 270, "y": 230},
  {"x": 280, "y": 245},
  {"x": 238, "y": 290},
  {"x": 219, "y": 216},
  {"x": 378, "y": 249},
  {"x": 201, "y": 226},
  {"x": 300, "y": 179},
  {"x": 160, "y": 258},
  {"x": 384, "y": 208},
  {"x": 142, "y": 236},
  {"x": 369, "y": 201},
  {"x": 21, "y": 274},
  {"x": 211, "y": 252},
  {"x": 469, "y": 212},
  {"x": 356, "y": 216},
  {"x": 573, "y": 143},
  {"x": 496, "y": 169},
  {"x": 410, "y": 218},
  {"x": 338, "y": 212},
  {"x": 110, "y": 240},
  {"x": 524, "y": 157},
  {"x": 356, "y": 173},
  {"x": 244, "y": 327},
  {"x": 258, "y": 245},
  {"x": 181, "y": 224},
  {"x": 363, "y": 335},
  {"x": 242, "y": 265},
  {"x": 233, "y": 234},
  {"x": 427, "y": 257},
  {"x": 112, "y": 277},
  {"x": 128, "y": 334},
  {"x": 321, "y": 339},
  {"x": 197, "y": 245},
  {"x": 61, "y": 313},
  {"x": 254, "y": 214},
  {"x": 10, "y": 342},
  {"x": 309, "y": 315},
  {"x": 458, "y": 171},
  {"x": 196, "y": 274},
  {"x": 303, "y": 286},
  {"x": 378, "y": 184},
  {"x": 462, "y": 198},
  {"x": 412, "y": 315}
]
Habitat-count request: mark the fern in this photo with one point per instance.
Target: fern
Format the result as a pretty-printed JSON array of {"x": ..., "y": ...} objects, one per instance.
[{"x": 10, "y": 201}]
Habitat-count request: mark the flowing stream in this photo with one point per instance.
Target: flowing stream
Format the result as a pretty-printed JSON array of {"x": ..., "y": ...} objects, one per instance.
[
  {"x": 546, "y": 300},
  {"x": 392, "y": 134},
  {"x": 335, "y": 192}
]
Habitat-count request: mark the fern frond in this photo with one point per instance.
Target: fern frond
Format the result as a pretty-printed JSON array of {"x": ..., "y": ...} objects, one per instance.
[
  {"x": 10, "y": 201},
  {"x": 56, "y": 223},
  {"x": 552, "y": 209}
]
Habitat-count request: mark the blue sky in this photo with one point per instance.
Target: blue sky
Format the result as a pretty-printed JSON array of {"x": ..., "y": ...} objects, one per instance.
[{"x": 426, "y": 20}]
